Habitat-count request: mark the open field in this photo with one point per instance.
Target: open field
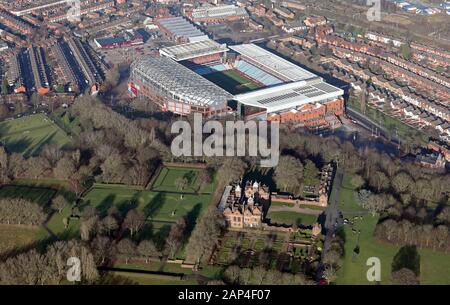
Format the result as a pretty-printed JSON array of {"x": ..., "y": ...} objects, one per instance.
[
  {"x": 232, "y": 81},
  {"x": 15, "y": 236},
  {"x": 244, "y": 249},
  {"x": 289, "y": 218},
  {"x": 28, "y": 135},
  {"x": 39, "y": 195},
  {"x": 146, "y": 279},
  {"x": 434, "y": 265},
  {"x": 42, "y": 193},
  {"x": 166, "y": 181},
  {"x": 161, "y": 208}
]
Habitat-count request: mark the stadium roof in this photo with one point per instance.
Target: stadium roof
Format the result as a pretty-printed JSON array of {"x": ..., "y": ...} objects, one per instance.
[
  {"x": 273, "y": 63},
  {"x": 179, "y": 82},
  {"x": 193, "y": 49},
  {"x": 180, "y": 27},
  {"x": 218, "y": 12},
  {"x": 290, "y": 95}
]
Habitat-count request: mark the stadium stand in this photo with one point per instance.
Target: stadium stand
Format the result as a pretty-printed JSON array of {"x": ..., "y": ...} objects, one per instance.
[{"x": 256, "y": 73}]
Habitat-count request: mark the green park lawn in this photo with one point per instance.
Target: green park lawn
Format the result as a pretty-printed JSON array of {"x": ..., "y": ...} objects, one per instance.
[
  {"x": 147, "y": 279},
  {"x": 16, "y": 236},
  {"x": 288, "y": 217},
  {"x": 40, "y": 195},
  {"x": 166, "y": 181},
  {"x": 28, "y": 135},
  {"x": 434, "y": 264}
]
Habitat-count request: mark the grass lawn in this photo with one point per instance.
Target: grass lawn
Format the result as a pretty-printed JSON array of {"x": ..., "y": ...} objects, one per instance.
[
  {"x": 292, "y": 217},
  {"x": 348, "y": 200},
  {"x": 434, "y": 265},
  {"x": 232, "y": 81},
  {"x": 159, "y": 207},
  {"x": 16, "y": 236},
  {"x": 166, "y": 181},
  {"x": 149, "y": 279},
  {"x": 39, "y": 195},
  {"x": 303, "y": 206},
  {"x": 28, "y": 135},
  {"x": 162, "y": 209},
  {"x": 155, "y": 266},
  {"x": 43, "y": 196}
]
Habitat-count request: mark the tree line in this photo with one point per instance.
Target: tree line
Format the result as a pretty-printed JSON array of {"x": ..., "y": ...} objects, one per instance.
[{"x": 21, "y": 212}]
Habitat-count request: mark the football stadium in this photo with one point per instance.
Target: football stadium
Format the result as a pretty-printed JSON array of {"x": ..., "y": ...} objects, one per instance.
[{"x": 209, "y": 77}]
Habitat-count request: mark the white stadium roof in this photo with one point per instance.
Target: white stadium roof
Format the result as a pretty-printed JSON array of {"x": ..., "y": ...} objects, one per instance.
[
  {"x": 272, "y": 62},
  {"x": 179, "y": 82},
  {"x": 290, "y": 95},
  {"x": 193, "y": 49}
]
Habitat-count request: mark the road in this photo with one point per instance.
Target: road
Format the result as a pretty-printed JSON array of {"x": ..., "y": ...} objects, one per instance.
[{"x": 331, "y": 217}]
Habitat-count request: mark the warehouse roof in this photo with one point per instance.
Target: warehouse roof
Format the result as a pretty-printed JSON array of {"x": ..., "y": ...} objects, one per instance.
[
  {"x": 219, "y": 12},
  {"x": 180, "y": 27}
]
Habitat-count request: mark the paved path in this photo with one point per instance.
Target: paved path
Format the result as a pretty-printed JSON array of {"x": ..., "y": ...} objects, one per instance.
[{"x": 332, "y": 216}]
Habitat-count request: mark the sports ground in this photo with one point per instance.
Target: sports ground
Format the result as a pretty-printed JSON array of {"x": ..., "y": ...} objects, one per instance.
[
  {"x": 434, "y": 265},
  {"x": 28, "y": 135},
  {"x": 232, "y": 81}
]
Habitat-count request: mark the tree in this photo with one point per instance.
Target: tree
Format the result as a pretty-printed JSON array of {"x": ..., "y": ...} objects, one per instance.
[
  {"x": 65, "y": 168},
  {"x": 103, "y": 248},
  {"x": 181, "y": 183},
  {"x": 110, "y": 224},
  {"x": 401, "y": 182},
  {"x": 258, "y": 275},
  {"x": 66, "y": 222},
  {"x": 205, "y": 235},
  {"x": 245, "y": 276},
  {"x": 232, "y": 274},
  {"x": 289, "y": 174},
  {"x": 20, "y": 211},
  {"x": 407, "y": 257},
  {"x": 404, "y": 276},
  {"x": 330, "y": 274},
  {"x": 87, "y": 226},
  {"x": 59, "y": 203},
  {"x": 126, "y": 248},
  {"x": 232, "y": 169},
  {"x": 134, "y": 220},
  {"x": 147, "y": 249},
  {"x": 357, "y": 181},
  {"x": 405, "y": 49},
  {"x": 5, "y": 87},
  {"x": 175, "y": 237}
]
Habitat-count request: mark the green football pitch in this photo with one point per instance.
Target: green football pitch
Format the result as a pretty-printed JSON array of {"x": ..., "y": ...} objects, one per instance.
[
  {"x": 28, "y": 135},
  {"x": 232, "y": 81}
]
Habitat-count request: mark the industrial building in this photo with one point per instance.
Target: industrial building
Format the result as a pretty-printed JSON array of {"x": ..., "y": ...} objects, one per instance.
[
  {"x": 127, "y": 39},
  {"x": 214, "y": 14},
  {"x": 180, "y": 30}
]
